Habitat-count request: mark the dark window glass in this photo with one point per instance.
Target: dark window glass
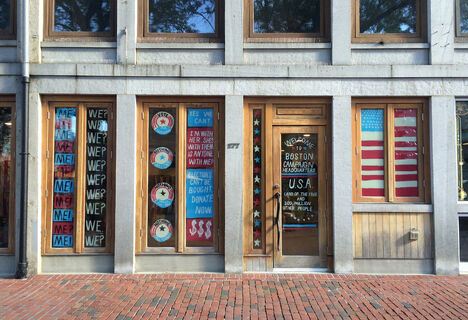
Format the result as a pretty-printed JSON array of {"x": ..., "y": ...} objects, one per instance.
[
  {"x": 5, "y": 166},
  {"x": 182, "y": 16},
  {"x": 4, "y": 15},
  {"x": 286, "y": 16},
  {"x": 464, "y": 16},
  {"x": 82, "y": 15},
  {"x": 463, "y": 239},
  {"x": 462, "y": 142},
  {"x": 387, "y": 16}
]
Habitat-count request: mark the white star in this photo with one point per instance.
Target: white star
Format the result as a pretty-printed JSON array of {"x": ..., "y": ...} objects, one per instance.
[
  {"x": 256, "y": 122},
  {"x": 256, "y": 214},
  {"x": 256, "y": 149},
  {"x": 257, "y": 179},
  {"x": 257, "y": 243}
]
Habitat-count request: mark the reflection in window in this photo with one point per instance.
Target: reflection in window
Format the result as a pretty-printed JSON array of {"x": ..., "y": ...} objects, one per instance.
[
  {"x": 463, "y": 224},
  {"x": 464, "y": 16},
  {"x": 462, "y": 154},
  {"x": 387, "y": 16},
  {"x": 286, "y": 16},
  {"x": 182, "y": 16},
  {"x": 5, "y": 166},
  {"x": 4, "y": 15},
  {"x": 82, "y": 15}
]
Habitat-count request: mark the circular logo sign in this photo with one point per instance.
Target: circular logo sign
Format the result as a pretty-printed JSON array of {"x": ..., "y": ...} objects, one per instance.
[
  {"x": 162, "y": 158},
  {"x": 161, "y": 230},
  {"x": 162, "y": 122},
  {"x": 162, "y": 195}
]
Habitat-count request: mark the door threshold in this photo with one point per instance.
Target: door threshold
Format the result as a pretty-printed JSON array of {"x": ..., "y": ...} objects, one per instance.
[{"x": 301, "y": 270}]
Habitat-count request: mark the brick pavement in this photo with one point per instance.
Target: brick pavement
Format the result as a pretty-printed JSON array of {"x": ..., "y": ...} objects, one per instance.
[{"x": 249, "y": 296}]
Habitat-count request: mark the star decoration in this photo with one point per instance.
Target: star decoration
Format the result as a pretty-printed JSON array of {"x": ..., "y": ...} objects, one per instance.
[
  {"x": 256, "y": 169},
  {"x": 256, "y": 214},
  {"x": 257, "y": 179},
  {"x": 257, "y": 159},
  {"x": 256, "y": 202},
  {"x": 163, "y": 121},
  {"x": 162, "y": 193},
  {"x": 257, "y": 223},
  {"x": 257, "y": 191},
  {"x": 256, "y": 140},
  {"x": 257, "y": 131},
  {"x": 256, "y": 122},
  {"x": 257, "y": 234},
  {"x": 257, "y": 243},
  {"x": 256, "y": 149},
  {"x": 162, "y": 228},
  {"x": 256, "y": 113}
]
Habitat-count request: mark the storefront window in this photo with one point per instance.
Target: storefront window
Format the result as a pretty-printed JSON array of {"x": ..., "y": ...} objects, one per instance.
[
  {"x": 463, "y": 225},
  {"x": 78, "y": 160},
  {"x": 462, "y": 146},
  {"x": 6, "y": 174},
  {"x": 180, "y": 177},
  {"x": 7, "y": 19},
  {"x": 462, "y": 18}
]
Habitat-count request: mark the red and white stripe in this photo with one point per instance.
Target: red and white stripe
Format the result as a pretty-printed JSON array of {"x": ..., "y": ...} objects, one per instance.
[
  {"x": 406, "y": 153},
  {"x": 372, "y": 146}
]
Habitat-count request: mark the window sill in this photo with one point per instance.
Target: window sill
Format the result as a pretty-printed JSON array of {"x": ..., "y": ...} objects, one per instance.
[
  {"x": 461, "y": 45},
  {"x": 462, "y": 207},
  {"x": 286, "y": 45},
  {"x": 187, "y": 253},
  {"x": 392, "y": 207},
  {"x": 387, "y": 46},
  {"x": 76, "y": 44},
  {"x": 8, "y": 43},
  {"x": 179, "y": 45}
]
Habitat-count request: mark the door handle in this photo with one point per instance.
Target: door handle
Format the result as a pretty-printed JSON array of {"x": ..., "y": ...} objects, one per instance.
[{"x": 277, "y": 196}]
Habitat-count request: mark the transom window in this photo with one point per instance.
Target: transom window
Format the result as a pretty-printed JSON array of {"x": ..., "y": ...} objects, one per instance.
[
  {"x": 462, "y": 19},
  {"x": 389, "y": 20}
]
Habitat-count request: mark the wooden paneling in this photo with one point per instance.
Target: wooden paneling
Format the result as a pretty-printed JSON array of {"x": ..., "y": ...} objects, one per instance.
[{"x": 386, "y": 235}]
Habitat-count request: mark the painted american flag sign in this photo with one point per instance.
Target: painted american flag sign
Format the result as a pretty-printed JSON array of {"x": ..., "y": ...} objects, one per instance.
[
  {"x": 372, "y": 147},
  {"x": 406, "y": 153}
]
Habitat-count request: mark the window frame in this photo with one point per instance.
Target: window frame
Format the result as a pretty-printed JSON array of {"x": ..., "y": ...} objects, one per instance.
[
  {"x": 51, "y": 35},
  {"x": 321, "y": 37},
  {"x": 181, "y": 105},
  {"x": 10, "y": 34},
  {"x": 145, "y": 36},
  {"x": 419, "y": 36},
  {"x": 388, "y": 105},
  {"x": 79, "y": 248},
  {"x": 9, "y": 102},
  {"x": 459, "y": 36}
]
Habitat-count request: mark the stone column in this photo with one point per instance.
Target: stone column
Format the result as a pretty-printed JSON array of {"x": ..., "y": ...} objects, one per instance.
[
  {"x": 234, "y": 32},
  {"x": 441, "y": 31},
  {"x": 341, "y": 32},
  {"x": 126, "y": 32},
  {"x": 125, "y": 184},
  {"x": 233, "y": 181},
  {"x": 342, "y": 185},
  {"x": 444, "y": 184}
]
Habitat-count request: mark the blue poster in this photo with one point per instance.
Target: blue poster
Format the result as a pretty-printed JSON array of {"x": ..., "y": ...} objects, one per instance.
[
  {"x": 62, "y": 241},
  {"x": 200, "y": 118},
  {"x": 199, "y": 193}
]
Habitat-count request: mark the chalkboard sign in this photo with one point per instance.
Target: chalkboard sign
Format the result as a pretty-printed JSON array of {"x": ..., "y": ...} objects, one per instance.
[
  {"x": 96, "y": 177},
  {"x": 200, "y": 147},
  {"x": 64, "y": 178}
]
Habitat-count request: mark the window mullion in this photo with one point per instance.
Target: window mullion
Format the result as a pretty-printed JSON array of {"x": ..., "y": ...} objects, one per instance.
[
  {"x": 181, "y": 169},
  {"x": 390, "y": 154},
  {"x": 80, "y": 178}
]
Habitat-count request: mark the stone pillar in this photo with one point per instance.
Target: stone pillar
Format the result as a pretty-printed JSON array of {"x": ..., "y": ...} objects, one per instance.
[
  {"x": 341, "y": 32},
  {"x": 126, "y": 32},
  {"x": 444, "y": 184},
  {"x": 234, "y": 32},
  {"x": 234, "y": 173},
  {"x": 441, "y": 31},
  {"x": 125, "y": 184},
  {"x": 342, "y": 185}
]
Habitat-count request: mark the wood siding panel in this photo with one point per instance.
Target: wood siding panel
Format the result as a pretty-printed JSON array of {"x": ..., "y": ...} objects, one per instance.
[{"x": 386, "y": 235}]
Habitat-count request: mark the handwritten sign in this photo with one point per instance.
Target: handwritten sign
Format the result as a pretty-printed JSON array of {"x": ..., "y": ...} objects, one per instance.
[
  {"x": 200, "y": 147},
  {"x": 199, "y": 193},
  {"x": 199, "y": 229},
  {"x": 96, "y": 178},
  {"x": 64, "y": 178},
  {"x": 200, "y": 118}
]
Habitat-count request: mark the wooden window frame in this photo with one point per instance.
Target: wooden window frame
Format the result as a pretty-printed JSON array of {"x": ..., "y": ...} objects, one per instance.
[
  {"x": 459, "y": 36},
  {"x": 419, "y": 36},
  {"x": 181, "y": 105},
  {"x": 322, "y": 36},
  {"x": 145, "y": 36},
  {"x": 81, "y": 105},
  {"x": 9, "y": 102},
  {"x": 10, "y": 34},
  {"x": 51, "y": 35},
  {"x": 388, "y": 105}
]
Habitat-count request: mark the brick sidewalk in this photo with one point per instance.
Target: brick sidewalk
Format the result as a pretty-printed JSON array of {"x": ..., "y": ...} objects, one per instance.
[{"x": 250, "y": 296}]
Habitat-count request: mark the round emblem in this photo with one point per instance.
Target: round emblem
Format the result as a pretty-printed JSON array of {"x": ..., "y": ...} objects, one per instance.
[
  {"x": 161, "y": 230},
  {"x": 161, "y": 158},
  {"x": 162, "y": 195},
  {"x": 162, "y": 122}
]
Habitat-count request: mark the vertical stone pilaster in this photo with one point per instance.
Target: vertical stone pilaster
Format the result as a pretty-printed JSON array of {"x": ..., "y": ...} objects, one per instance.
[
  {"x": 126, "y": 32},
  {"x": 341, "y": 32},
  {"x": 234, "y": 31},
  {"x": 441, "y": 31}
]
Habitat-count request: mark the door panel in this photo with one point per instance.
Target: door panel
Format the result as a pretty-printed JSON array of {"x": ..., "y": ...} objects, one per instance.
[{"x": 299, "y": 182}]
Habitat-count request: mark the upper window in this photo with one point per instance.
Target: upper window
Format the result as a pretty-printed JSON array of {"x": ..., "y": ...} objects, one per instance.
[
  {"x": 80, "y": 18},
  {"x": 180, "y": 19},
  {"x": 462, "y": 19},
  {"x": 7, "y": 18},
  {"x": 389, "y": 20},
  {"x": 389, "y": 155},
  {"x": 462, "y": 154},
  {"x": 288, "y": 19},
  {"x": 7, "y": 184}
]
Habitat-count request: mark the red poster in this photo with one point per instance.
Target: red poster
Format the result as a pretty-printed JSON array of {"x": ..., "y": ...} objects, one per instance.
[
  {"x": 200, "y": 147},
  {"x": 199, "y": 229}
]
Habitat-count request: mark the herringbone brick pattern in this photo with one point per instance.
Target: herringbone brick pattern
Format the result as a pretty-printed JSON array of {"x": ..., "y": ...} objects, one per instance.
[{"x": 249, "y": 296}]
